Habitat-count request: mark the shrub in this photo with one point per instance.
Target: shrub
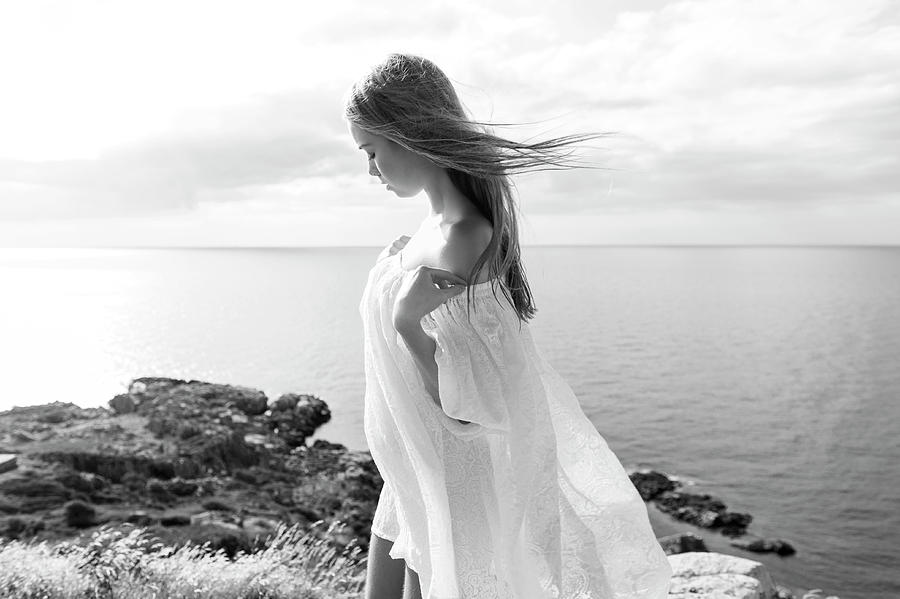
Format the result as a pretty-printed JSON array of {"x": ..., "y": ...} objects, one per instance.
[{"x": 79, "y": 514}]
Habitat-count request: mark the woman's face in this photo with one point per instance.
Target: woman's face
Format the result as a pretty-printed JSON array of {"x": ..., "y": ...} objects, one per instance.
[{"x": 404, "y": 172}]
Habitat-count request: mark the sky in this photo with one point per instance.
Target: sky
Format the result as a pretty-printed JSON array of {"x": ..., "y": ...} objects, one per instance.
[{"x": 220, "y": 123}]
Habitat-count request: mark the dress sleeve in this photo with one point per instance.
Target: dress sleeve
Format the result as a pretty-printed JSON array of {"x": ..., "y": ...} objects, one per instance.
[{"x": 480, "y": 358}]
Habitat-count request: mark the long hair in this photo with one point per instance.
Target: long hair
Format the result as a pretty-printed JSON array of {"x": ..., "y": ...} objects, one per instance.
[{"x": 408, "y": 100}]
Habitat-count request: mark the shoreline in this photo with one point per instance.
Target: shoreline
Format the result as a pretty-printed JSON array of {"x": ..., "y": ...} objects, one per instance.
[{"x": 198, "y": 460}]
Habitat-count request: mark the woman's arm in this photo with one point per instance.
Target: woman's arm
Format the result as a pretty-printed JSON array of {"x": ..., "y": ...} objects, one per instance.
[{"x": 422, "y": 348}]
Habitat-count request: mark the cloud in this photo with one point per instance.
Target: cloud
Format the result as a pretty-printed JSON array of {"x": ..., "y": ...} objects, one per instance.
[
  {"x": 716, "y": 104},
  {"x": 277, "y": 139},
  {"x": 732, "y": 103}
]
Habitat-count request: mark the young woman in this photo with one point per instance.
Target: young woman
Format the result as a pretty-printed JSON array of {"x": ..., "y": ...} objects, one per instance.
[{"x": 496, "y": 484}]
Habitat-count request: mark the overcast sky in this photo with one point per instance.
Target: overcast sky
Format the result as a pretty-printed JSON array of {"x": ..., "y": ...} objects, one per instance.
[{"x": 220, "y": 123}]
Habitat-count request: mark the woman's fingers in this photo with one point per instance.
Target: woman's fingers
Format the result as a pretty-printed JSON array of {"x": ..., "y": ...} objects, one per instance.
[
  {"x": 401, "y": 242},
  {"x": 445, "y": 274}
]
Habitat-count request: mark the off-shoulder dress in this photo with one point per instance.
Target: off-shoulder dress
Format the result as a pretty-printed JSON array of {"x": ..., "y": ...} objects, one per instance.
[{"x": 527, "y": 501}]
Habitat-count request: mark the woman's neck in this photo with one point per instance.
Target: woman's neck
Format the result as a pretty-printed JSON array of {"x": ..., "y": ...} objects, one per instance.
[{"x": 448, "y": 205}]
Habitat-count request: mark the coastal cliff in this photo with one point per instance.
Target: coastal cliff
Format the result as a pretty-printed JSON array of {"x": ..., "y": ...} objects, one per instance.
[{"x": 193, "y": 462}]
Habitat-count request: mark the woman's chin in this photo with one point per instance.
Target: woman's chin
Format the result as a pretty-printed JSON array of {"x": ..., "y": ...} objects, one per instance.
[
  {"x": 398, "y": 193},
  {"x": 401, "y": 193}
]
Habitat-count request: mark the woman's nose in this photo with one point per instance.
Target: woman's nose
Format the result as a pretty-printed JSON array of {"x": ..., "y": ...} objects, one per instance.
[{"x": 374, "y": 171}]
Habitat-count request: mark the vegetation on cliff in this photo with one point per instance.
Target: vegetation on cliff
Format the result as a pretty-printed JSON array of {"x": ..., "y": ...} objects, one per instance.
[{"x": 113, "y": 563}]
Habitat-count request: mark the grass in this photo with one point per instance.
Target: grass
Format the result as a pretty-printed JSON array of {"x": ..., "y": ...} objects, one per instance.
[{"x": 116, "y": 564}]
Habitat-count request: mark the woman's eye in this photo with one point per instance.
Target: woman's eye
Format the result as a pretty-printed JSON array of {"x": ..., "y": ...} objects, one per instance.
[{"x": 371, "y": 156}]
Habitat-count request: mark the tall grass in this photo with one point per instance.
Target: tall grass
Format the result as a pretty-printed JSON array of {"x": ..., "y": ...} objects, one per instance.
[{"x": 114, "y": 564}]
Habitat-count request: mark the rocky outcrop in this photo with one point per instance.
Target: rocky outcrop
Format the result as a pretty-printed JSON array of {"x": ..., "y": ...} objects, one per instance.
[
  {"x": 176, "y": 457},
  {"x": 760, "y": 545},
  {"x": 701, "y": 510},
  {"x": 683, "y": 542},
  {"x": 704, "y": 575},
  {"x": 651, "y": 484}
]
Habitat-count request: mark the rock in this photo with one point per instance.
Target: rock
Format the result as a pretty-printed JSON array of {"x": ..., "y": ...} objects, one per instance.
[
  {"x": 54, "y": 417},
  {"x": 8, "y": 508},
  {"x": 182, "y": 488},
  {"x": 323, "y": 444},
  {"x": 186, "y": 430},
  {"x": 215, "y": 504},
  {"x": 151, "y": 386},
  {"x": 20, "y": 436},
  {"x": 186, "y": 442},
  {"x": 108, "y": 465},
  {"x": 256, "y": 439},
  {"x": 115, "y": 467},
  {"x": 13, "y": 526},
  {"x": 8, "y": 461},
  {"x": 140, "y": 518},
  {"x": 295, "y": 425},
  {"x": 137, "y": 387},
  {"x": 733, "y": 523},
  {"x": 246, "y": 476},
  {"x": 51, "y": 413},
  {"x": 79, "y": 514},
  {"x": 35, "y": 495},
  {"x": 123, "y": 404},
  {"x": 759, "y": 545},
  {"x": 163, "y": 426},
  {"x": 251, "y": 402},
  {"x": 156, "y": 392},
  {"x": 158, "y": 490},
  {"x": 782, "y": 547},
  {"x": 702, "y": 510},
  {"x": 175, "y": 520},
  {"x": 220, "y": 451},
  {"x": 85, "y": 482},
  {"x": 229, "y": 521},
  {"x": 783, "y": 592},
  {"x": 285, "y": 403},
  {"x": 161, "y": 469},
  {"x": 651, "y": 483},
  {"x": 682, "y": 543},
  {"x": 239, "y": 419},
  {"x": 705, "y": 575},
  {"x": 186, "y": 468},
  {"x": 107, "y": 497}
]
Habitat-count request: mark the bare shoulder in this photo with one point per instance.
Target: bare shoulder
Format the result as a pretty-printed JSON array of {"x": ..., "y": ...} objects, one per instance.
[{"x": 465, "y": 242}]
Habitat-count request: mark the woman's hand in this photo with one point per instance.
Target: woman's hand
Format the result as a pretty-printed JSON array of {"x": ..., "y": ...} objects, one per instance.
[
  {"x": 421, "y": 291},
  {"x": 395, "y": 247}
]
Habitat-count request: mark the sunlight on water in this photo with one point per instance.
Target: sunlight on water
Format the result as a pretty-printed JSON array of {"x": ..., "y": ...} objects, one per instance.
[{"x": 61, "y": 325}]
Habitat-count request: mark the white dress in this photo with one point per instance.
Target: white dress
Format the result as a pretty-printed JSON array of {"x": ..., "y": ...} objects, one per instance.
[{"x": 525, "y": 502}]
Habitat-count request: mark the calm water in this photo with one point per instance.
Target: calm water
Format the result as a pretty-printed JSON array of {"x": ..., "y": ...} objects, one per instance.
[{"x": 767, "y": 376}]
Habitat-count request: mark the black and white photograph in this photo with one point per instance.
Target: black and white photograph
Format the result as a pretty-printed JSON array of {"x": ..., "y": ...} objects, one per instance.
[{"x": 449, "y": 300}]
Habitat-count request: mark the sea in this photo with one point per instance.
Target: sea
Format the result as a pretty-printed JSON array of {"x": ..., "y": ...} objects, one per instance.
[{"x": 768, "y": 377}]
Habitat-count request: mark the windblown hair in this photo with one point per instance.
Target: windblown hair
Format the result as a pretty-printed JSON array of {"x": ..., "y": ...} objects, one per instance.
[{"x": 408, "y": 100}]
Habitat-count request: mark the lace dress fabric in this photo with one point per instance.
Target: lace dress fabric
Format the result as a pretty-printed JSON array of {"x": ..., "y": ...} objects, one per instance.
[{"x": 526, "y": 501}]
